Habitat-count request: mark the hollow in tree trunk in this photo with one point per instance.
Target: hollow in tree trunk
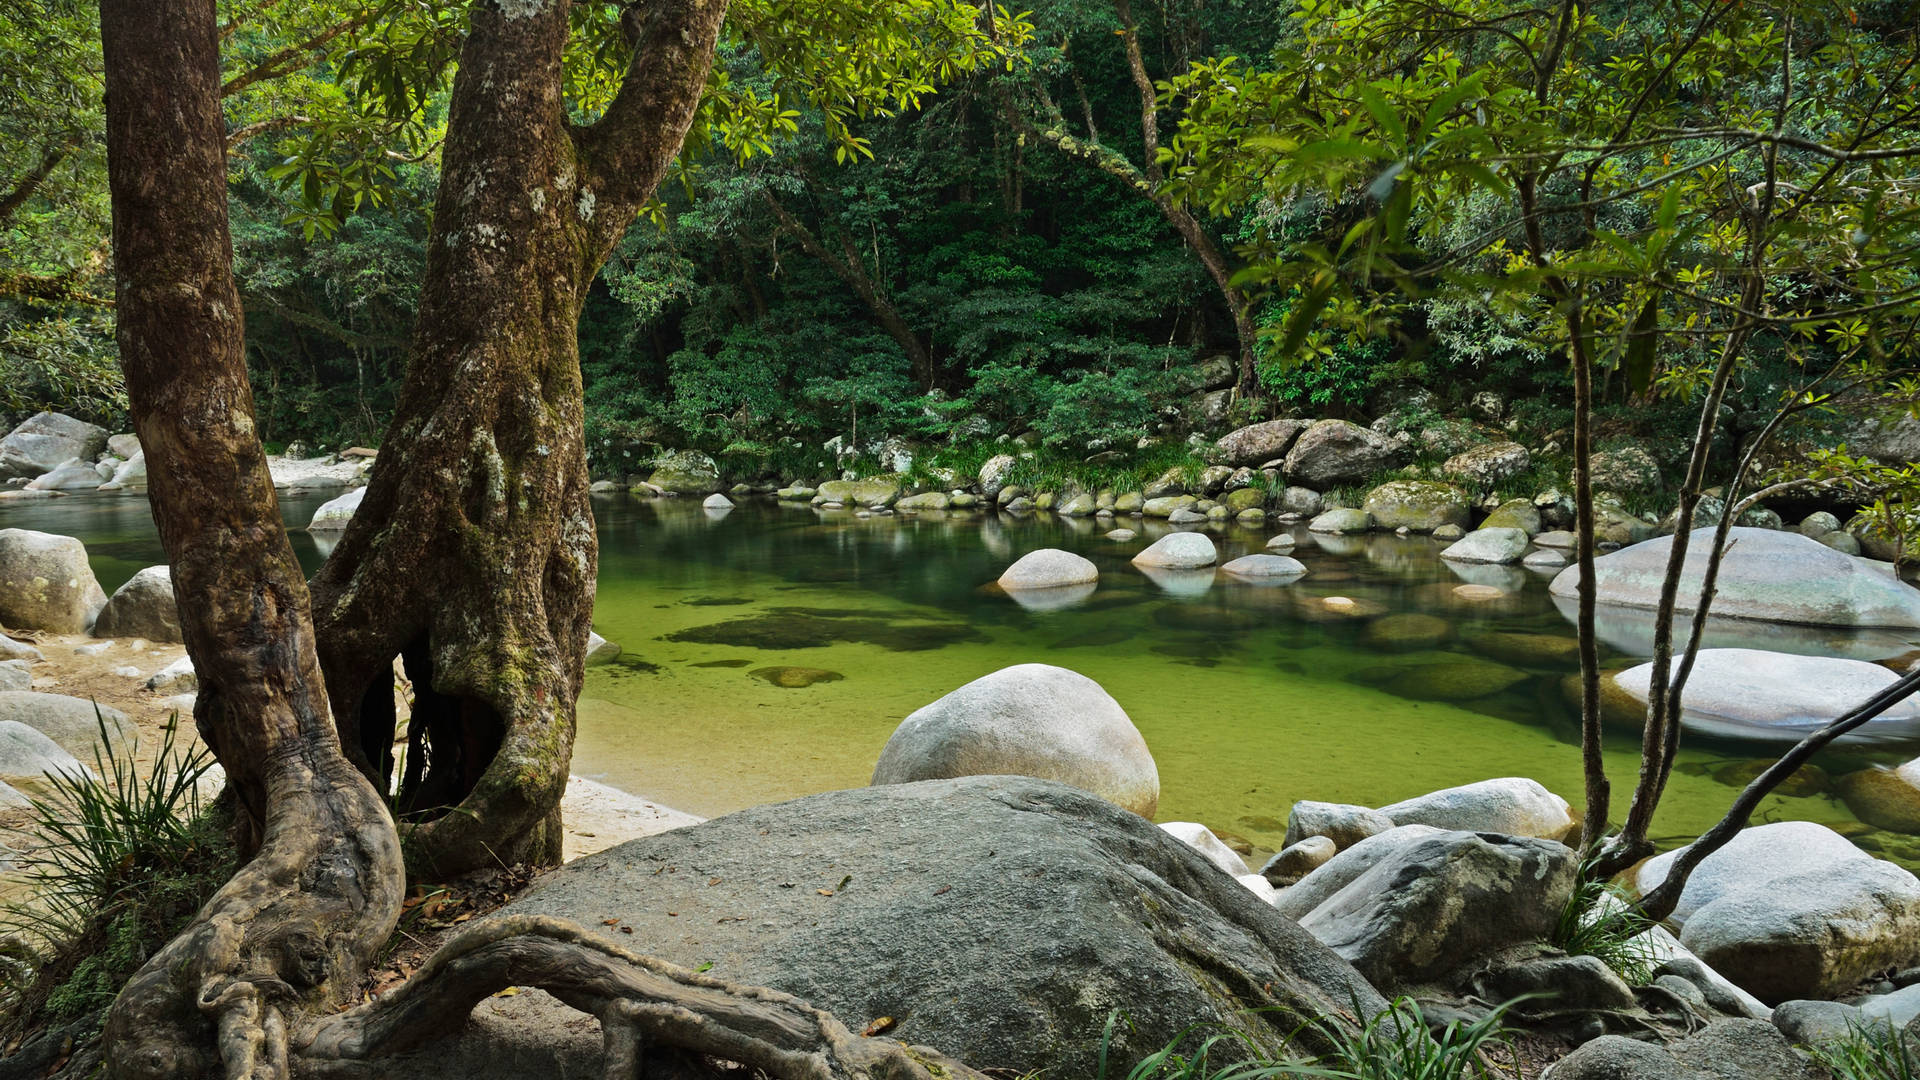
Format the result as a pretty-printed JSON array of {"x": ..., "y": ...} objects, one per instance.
[{"x": 472, "y": 558}]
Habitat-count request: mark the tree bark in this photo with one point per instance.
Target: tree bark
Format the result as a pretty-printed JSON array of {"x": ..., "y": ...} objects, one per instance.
[
  {"x": 322, "y": 889},
  {"x": 472, "y": 557}
]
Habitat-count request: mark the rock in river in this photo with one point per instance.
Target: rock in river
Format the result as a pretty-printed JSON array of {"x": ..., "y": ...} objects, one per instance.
[
  {"x": 1765, "y": 574},
  {"x": 1027, "y": 720},
  {"x": 1266, "y": 568},
  {"x": 1885, "y": 797},
  {"x": 1513, "y": 805},
  {"x": 142, "y": 608},
  {"x": 997, "y": 919},
  {"x": 46, "y": 583},
  {"x": 1336, "y": 452},
  {"x": 333, "y": 515},
  {"x": 1049, "y": 568},
  {"x": 1793, "y": 910},
  {"x": 1488, "y": 546},
  {"x": 1782, "y": 697},
  {"x": 686, "y": 472},
  {"x": 1179, "y": 551}
]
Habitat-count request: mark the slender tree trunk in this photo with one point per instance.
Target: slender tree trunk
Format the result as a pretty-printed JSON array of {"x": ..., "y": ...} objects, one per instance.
[
  {"x": 323, "y": 885},
  {"x": 472, "y": 557},
  {"x": 851, "y": 269},
  {"x": 1183, "y": 221}
]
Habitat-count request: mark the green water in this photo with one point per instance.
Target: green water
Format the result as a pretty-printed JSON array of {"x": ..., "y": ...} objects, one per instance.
[{"x": 1250, "y": 696}]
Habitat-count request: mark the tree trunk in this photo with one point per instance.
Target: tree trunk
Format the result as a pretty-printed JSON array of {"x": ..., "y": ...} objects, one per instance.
[
  {"x": 472, "y": 557},
  {"x": 299, "y": 921},
  {"x": 852, "y": 271}
]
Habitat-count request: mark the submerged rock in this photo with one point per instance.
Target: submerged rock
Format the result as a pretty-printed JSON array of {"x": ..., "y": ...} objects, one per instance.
[
  {"x": 1027, "y": 720},
  {"x": 144, "y": 607},
  {"x": 1765, "y": 574},
  {"x": 1406, "y": 630},
  {"x": 1783, "y": 697},
  {"x": 795, "y": 678},
  {"x": 1888, "y": 798},
  {"x": 1792, "y": 910},
  {"x": 997, "y": 919},
  {"x": 46, "y": 583},
  {"x": 1464, "y": 679}
]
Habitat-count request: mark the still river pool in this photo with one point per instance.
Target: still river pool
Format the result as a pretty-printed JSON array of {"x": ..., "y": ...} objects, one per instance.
[{"x": 1250, "y": 696}]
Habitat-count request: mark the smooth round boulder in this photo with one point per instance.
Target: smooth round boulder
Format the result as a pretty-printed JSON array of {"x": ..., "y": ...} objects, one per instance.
[
  {"x": 1027, "y": 720},
  {"x": 1779, "y": 697},
  {"x": 994, "y": 473},
  {"x": 1049, "y": 568},
  {"x": 1343, "y": 823},
  {"x": 333, "y": 515},
  {"x": 1514, "y": 514},
  {"x": 1888, "y": 798},
  {"x": 46, "y": 583},
  {"x": 75, "y": 724},
  {"x": 1266, "y": 568},
  {"x": 1793, "y": 910},
  {"x": 1343, "y": 519},
  {"x": 716, "y": 501},
  {"x": 144, "y": 608},
  {"x": 1201, "y": 839},
  {"x": 27, "y": 756},
  {"x": 1296, "y": 861},
  {"x": 72, "y": 474},
  {"x": 1179, "y": 551},
  {"x": 1513, "y": 805},
  {"x": 1766, "y": 574}
]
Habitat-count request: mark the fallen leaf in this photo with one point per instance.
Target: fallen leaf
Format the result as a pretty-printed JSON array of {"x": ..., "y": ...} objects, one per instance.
[
  {"x": 824, "y": 892},
  {"x": 609, "y": 922},
  {"x": 880, "y": 1027},
  {"x": 626, "y": 929},
  {"x": 713, "y": 881},
  {"x": 943, "y": 890},
  {"x": 708, "y": 966},
  {"x": 844, "y": 882},
  {"x": 508, "y": 992}
]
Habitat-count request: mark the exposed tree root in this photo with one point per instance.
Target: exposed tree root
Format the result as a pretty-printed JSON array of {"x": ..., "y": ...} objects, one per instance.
[{"x": 644, "y": 1004}]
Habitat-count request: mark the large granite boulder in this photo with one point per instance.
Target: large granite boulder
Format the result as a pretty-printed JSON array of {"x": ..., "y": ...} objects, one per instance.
[
  {"x": 1446, "y": 900},
  {"x": 994, "y": 473},
  {"x": 1513, "y": 805},
  {"x": 1792, "y": 910},
  {"x": 46, "y": 440},
  {"x": 1494, "y": 545},
  {"x": 1027, "y": 720},
  {"x": 1179, "y": 551},
  {"x": 686, "y": 472},
  {"x": 74, "y": 723},
  {"x": 1417, "y": 505},
  {"x": 1049, "y": 568},
  {"x": 46, "y": 583},
  {"x": 1780, "y": 697},
  {"x": 333, "y": 515},
  {"x": 142, "y": 608},
  {"x": 1765, "y": 574},
  {"x": 998, "y": 919},
  {"x": 72, "y": 474},
  {"x": 1629, "y": 470},
  {"x": 1335, "y": 452},
  {"x": 1257, "y": 444},
  {"x": 27, "y": 757},
  {"x": 1484, "y": 467}
]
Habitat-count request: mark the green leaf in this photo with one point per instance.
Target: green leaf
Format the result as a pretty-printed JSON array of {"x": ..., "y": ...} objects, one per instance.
[{"x": 1383, "y": 114}]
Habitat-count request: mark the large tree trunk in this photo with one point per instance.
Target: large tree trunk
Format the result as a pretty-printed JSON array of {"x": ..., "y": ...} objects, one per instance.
[
  {"x": 323, "y": 886},
  {"x": 472, "y": 557}
]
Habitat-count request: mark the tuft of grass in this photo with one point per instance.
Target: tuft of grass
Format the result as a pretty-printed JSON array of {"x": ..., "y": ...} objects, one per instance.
[
  {"x": 1870, "y": 1054},
  {"x": 128, "y": 859},
  {"x": 1396, "y": 1044},
  {"x": 1599, "y": 920}
]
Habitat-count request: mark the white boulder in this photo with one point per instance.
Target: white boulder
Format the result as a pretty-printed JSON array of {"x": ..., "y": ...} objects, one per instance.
[
  {"x": 334, "y": 514},
  {"x": 1179, "y": 551},
  {"x": 46, "y": 583}
]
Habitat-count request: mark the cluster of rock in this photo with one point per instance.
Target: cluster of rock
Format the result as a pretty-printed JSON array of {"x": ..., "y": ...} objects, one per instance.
[
  {"x": 998, "y": 893},
  {"x": 53, "y": 454}
]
